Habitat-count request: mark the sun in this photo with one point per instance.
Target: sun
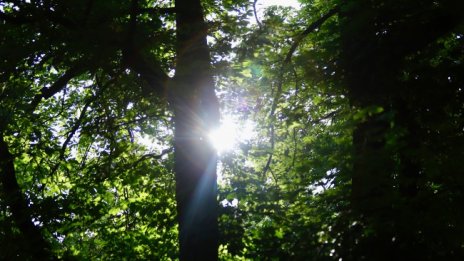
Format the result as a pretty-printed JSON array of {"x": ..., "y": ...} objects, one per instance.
[{"x": 231, "y": 133}]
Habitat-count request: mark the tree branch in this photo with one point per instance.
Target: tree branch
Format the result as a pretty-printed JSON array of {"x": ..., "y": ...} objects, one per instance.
[
  {"x": 325, "y": 117},
  {"x": 256, "y": 15},
  {"x": 36, "y": 246},
  {"x": 150, "y": 72},
  {"x": 157, "y": 11},
  {"x": 37, "y": 16},
  {"x": 78, "y": 123},
  {"x": 153, "y": 155},
  {"x": 58, "y": 85},
  {"x": 71, "y": 134},
  {"x": 311, "y": 28}
]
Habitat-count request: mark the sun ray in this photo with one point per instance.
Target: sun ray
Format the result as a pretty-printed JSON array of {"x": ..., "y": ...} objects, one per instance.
[{"x": 230, "y": 134}]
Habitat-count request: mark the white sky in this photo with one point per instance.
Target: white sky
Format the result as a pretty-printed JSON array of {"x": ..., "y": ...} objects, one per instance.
[{"x": 264, "y": 3}]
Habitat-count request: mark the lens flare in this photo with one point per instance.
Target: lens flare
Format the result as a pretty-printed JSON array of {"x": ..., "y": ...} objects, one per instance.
[{"x": 230, "y": 134}]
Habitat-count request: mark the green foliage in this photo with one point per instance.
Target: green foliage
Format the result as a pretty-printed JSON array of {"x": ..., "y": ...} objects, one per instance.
[{"x": 359, "y": 137}]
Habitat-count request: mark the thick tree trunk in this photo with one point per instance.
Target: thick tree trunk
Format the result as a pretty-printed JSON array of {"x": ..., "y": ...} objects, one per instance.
[
  {"x": 35, "y": 246},
  {"x": 196, "y": 111},
  {"x": 376, "y": 39},
  {"x": 369, "y": 81}
]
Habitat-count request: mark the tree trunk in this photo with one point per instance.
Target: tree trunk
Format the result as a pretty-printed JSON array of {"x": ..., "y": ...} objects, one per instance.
[
  {"x": 35, "y": 246},
  {"x": 196, "y": 111},
  {"x": 377, "y": 39},
  {"x": 368, "y": 81}
]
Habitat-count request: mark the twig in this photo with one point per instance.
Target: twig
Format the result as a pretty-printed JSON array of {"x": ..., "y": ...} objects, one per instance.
[
  {"x": 78, "y": 122},
  {"x": 71, "y": 134},
  {"x": 311, "y": 28}
]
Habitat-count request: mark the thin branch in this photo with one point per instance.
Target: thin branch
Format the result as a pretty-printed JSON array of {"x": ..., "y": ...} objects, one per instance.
[
  {"x": 295, "y": 147},
  {"x": 129, "y": 122},
  {"x": 78, "y": 122},
  {"x": 273, "y": 175},
  {"x": 76, "y": 126},
  {"x": 151, "y": 72},
  {"x": 311, "y": 28},
  {"x": 256, "y": 14},
  {"x": 325, "y": 117},
  {"x": 278, "y": 92},
  {"x": 153, "y": 156},
  {"x": 297, "y": 84},
  {"x": 86, "y": 154},
  {"x": 269, "y": 160},
  {"x": 71, "y": 134}
]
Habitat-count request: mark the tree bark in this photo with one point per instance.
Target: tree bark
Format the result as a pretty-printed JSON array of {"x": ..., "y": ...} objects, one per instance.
[
  {"x": 196, "y": 111},
  {"x": 35, "y": 247},
  {"x": 368, "y": 82},
  {"x": 376, "y": 41}
]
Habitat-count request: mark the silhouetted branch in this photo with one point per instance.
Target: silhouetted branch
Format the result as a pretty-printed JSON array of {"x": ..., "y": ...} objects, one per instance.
[
  {"x": 38, "y": 16},
  {"x": 153, "y": 156},
  {"x": 311, "y": 28},
  {"x": 78, "y": 123},
  {"x": 58, "y": 85},
  {"x": 71, "y": 134},
  {"x": 149, "y": 70},
  {"x": 278, "y": 92},
  {"x": 256, "y": 14}
]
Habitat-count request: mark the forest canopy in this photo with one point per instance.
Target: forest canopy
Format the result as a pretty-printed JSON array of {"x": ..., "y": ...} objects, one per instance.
[{"x": 223, "y": 130}]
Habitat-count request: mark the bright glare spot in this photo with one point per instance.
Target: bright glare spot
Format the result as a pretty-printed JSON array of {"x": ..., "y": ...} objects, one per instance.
[
  {"x": 231, "y": 133},
  {"x": 292, "y": 3},
  {"x": 261, "y": 5},
  {"x": 148, "y": 141},
  {"x": 227, "y": 203}
]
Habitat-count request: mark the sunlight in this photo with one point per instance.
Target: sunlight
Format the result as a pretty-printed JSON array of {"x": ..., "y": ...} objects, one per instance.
[
  {"x": 231, "y": 133},
  {"x": 292, "y": 3}
]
